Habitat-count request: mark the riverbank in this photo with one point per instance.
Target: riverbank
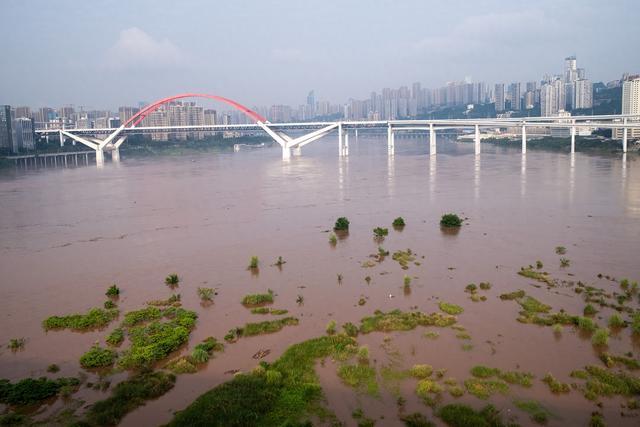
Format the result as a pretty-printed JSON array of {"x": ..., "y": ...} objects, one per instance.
[{"x": 583, "y": 144}]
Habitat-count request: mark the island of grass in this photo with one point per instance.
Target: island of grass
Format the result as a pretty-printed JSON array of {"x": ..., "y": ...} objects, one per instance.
[
  {"x": 200, "y": 355},
  {"x": 94, "y": 318},
  {"x": 260, "y": 328},
  {"x": 286, "y": 392},
  {"x": 31, "y": 391},
  {"x": 397, "y": 320},
  {"x": 97, "y": 357},
  {"x": 451, "y": 309},
  {"x": 256, "y": 300},
  {"x": 267, "y": 310},
  {"x": 156, "y": 340},
  {"x": 342, "y": 224}
]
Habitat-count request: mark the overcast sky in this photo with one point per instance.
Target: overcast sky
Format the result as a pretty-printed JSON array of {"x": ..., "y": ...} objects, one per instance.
[{"x": 103, "y": 53}]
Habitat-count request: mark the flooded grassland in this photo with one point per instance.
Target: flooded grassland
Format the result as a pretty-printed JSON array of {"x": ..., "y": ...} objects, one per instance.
[{"x": 530, "y": 306}]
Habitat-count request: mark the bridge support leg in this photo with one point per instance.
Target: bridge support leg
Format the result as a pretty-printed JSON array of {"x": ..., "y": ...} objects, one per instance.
[
  {"x": 524, "y": 140},
  {"x": 286, "y": 153},
  {"x": 115, "y": 155},
  {"x": 432, "y": 140},
  {"x": 296, "y": 151},
  {"x": 573, "y": 139},
  {"x": 99, "y": 157},
  {"x": 624, "y": 140},
  {"x": 477, "y": 140},
  {"x": 340, "y": 141}
]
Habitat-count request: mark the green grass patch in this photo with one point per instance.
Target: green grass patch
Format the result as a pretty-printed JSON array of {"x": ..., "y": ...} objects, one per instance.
[
  {"x": 421, "y": 371},
  {"x": 459, "y": 415},
  {"x": 350, "y": 329},
  {"x": 416, "y": 419},
  {"x": 512, "y": 295},
  {"x": 113, "y": 291},
  {"x": 155, "y": 341},
  {"x": 398, "y": 222},
  {"x": 452, "y": 309},
  {"x": 174, "y": 300},
  {"x": 611, "y": 360},
  {"x": 135, "y": 317},
  {"x": 450, "y": 220},
  {"x": 253, "y": 300},
  {"x": 536, "y": 411},
  {"x": 403, "y": 258},
  {"x": 397, "y": 320},
  {"x": 267, "y": 310},
  {"x": 532, "y": 305},
  {"x": 600, "y": 337},
  {"x": 30, "y": 391},
  {"x": 555, "y": 386},
  {"x": 511, "y": 377},
  {"x": 98, "y": 357},
  {"x": 485, "y": 388},
  {"x": 603, "y": 382},
  {"x": 539, "y": 276},
  {"x": 94, "y": 318},
  {"x": 361, "y": 377},
  {"x": 260, "y": 328},
  {"x": 290, "y": 397},
  {"x": 129, "y": 395}
]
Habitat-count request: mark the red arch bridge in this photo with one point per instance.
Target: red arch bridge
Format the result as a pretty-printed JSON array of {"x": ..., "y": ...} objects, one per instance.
[{"x": 110, "y": 139}]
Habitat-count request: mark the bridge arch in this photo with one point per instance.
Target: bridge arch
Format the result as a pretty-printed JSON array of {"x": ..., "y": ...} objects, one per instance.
[{"x": 142, "y": 114}]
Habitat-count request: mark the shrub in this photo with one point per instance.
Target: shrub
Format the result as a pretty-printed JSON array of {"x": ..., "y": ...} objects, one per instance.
[
  {"x": 333, "y": 239},
  {"x": 108, "y": 304},
  {"x": 380, "y": 232},
  {"x": 554, "y": 385},
  {"x": 181, "y": 365},
  {"x": 342, "y": 224},
  {"x": 16, "y": 344},
  {"x": 135, "y": 317},
  {"x": 539, "y": 265},
  {"x": 564, "y": 262},
  {"x": 360, "y": 377},
  {"x": 116, "y": 337},
  {"x": 635, "y": 323},
  {"x": 172, "y": 280},
  {"x": 113, "y": 291},
  {"x": 586, "y": 324},
  {"x": 95, "y": 318},
  {"x": 615, "y": 321},
  {"x": 350, "y": 329},
  {"x": 407, "y": 280},
  {"x": 561, "y": 250},
  {"x": 460, "y": 415},
  {"x": 589, "y": 310},
  {"x": 331, "y": 327},
  {"x": 363, "y": 354},
  {"x": 253, "y": 263},
  {"x": 600, "y": 337},
  {"x": 448, "y": 308},
  {"x": 485, "y": 286},
  {"x": 450, "y": 220},
  {"x": 481, "y": 371},
  {"x": 416, "y": 420},
  {"x": 200, "y": 355},
  {"x": 97, "y": 357},
  {"x": 53, "y": 368},
  {"x": 398, "y": 222},
  {"x": 206, "y": 294},
  {"x": 210, "y": 345}
]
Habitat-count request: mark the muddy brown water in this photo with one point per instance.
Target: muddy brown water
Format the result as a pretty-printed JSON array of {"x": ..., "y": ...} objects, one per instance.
[{"x": 66, "y": 235}]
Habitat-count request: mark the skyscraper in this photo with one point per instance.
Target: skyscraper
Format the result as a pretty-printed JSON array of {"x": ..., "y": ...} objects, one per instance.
[
  {"x": 630, "y": 103},
  {"x": 514, "y": 91},
  {"x": 311, "y": 104},
  {"x": 548, "y": 104},
  {"x": 583, "y": 93},
  {"x": 498, "y": 96},
  {"x": 6, "y": 132}
]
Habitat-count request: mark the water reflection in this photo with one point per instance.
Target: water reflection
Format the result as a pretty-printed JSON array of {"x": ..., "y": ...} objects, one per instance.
[
  {"x": 476, "y": 177},
  {"x": 391, "y": 173},
  {"x": 432, "y": 176},
  {"x": 523, "y": 175},
  {"x": 343, "y": 172},
  {"x": 572, "y": 176}
]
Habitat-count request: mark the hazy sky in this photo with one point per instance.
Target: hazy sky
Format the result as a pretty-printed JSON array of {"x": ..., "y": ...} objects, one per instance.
[{"x": 102, "y": 53}]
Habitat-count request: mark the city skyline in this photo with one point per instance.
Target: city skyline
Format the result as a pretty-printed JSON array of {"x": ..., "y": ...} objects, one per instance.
[{"x": 108, "y": 58}]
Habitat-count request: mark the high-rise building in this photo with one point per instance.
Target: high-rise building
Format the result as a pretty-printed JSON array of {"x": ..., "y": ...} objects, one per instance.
[
  {"x": 23, "y": 134},
  {"x": 6, "y": 132},
  {"x": 548, "y": 102},
  {"x": 583, "y": 94},
  {"x": 311, "y": 104},
  {"x": 125, "y": 113},
  {"x": 514, "y": 91},
  {"x": 630, "y": 103},
  {"x": 23, "y": 112},
  {"x": 498, "y": 96}
]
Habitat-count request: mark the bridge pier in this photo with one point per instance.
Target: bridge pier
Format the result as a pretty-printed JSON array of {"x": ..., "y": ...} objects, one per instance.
[
  {"x": 390, "y": 140},
  {"x": 296, "y": 151},
  {"x": 345, "y": 147},
  {"x": 524, "y": 139},
  {"x": 624, "y": 138},
  {"x": 99, "y": 157},
  {"x": 115, "y": 155},
  {"x": 573, "y": 139},
  {"x": 477, "y": 140},
  {"x": 340, "y": 140},
  {"x": 432, "y": 140}
]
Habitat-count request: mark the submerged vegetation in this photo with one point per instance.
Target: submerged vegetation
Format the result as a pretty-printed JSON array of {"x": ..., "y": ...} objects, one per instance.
[
  {"x": 459, "y": 415},
  {"x": 538, "y": 413},
  {"x": 206, "y": 294},
  {"x": 113, "y": 291},
  {"x": 94, "y": 318},
  {"x": 450, "y": 220},
  {"x": 260, "y": 328},
  {"x": 398, "y": 223},
  {"x": 380, "y": 232},
  {"x": 397, "y": 320},
  {"x": 172, "y": 280},
  {"x": 286, "y": 392},
  {"x": 16, "y": 344},
  {"x": 33, "y": 390},
  {"x": 361, "y": 377},
  {"x": 403, "y": 258},
  {"x": 448, "y": 308},
  {"x": 253, "y": 300},
  {"x": 97, "y": 357}
]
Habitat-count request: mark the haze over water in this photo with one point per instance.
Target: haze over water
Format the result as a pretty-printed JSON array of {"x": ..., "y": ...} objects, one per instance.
[{"x": 66, "y": 234}]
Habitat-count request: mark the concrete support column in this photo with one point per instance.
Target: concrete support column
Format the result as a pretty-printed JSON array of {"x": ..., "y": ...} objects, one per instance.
[
  {"x": 392, "y": 149},
  {"x": 477, "y": 140},
  {"x": 76, "y": 158},
  {"x": 86, "y": 159},
  {"x": 340, "y": 140},
  {"x": 99, "y": 157},
  {"x": 286, "y": 153},
  {"x": 432, "y": 140},
  {"x": 573, "y": 139},
  {"x": 61, "y": 139},
  {"x": 524, "y": 139},
  {"x": 624, "y": 137},
  {"x": 115, "y": 155}
]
